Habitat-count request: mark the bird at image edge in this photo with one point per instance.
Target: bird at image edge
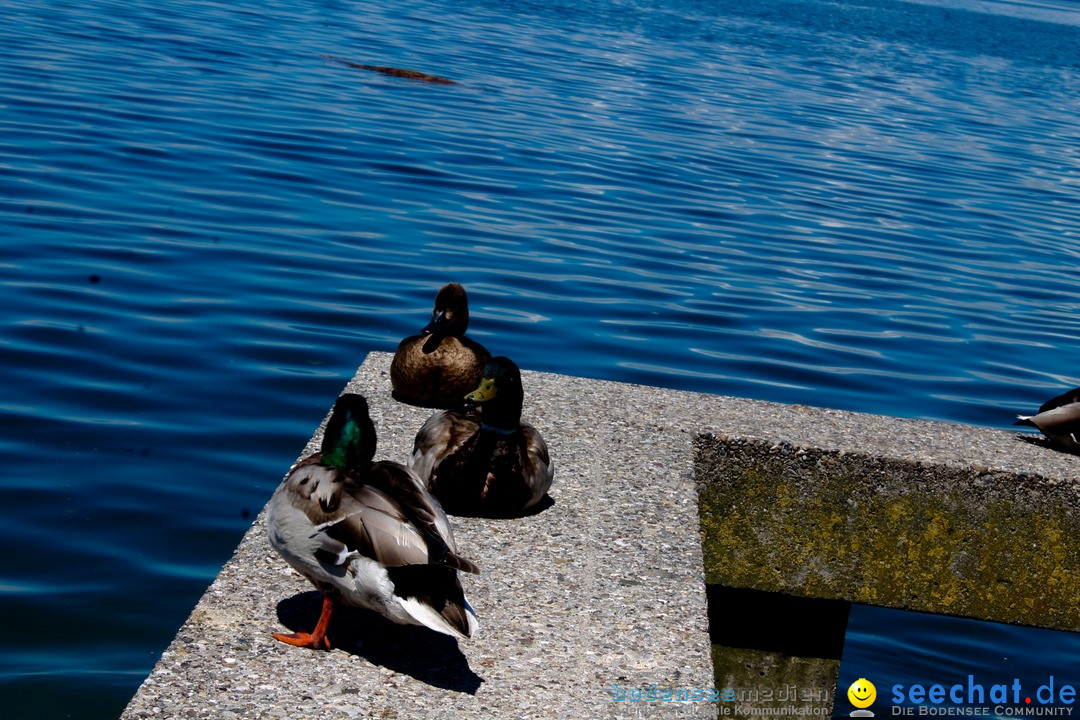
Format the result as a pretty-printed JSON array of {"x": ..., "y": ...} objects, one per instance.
[
  {"x": 1059, "y": 420},
  {"x": 368, "y": 534}
]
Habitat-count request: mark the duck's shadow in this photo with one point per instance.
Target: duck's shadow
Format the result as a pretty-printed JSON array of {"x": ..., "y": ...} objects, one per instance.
[
  {"x": 1032, "y": 439},
  {"x": 424, "y": 654},
  {"x": 541, "y": 505},
  {"x": 1043, "y": 442}
]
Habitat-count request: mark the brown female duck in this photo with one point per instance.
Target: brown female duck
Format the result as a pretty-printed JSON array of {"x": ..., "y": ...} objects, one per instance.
[{"x": 440, "y": 365}]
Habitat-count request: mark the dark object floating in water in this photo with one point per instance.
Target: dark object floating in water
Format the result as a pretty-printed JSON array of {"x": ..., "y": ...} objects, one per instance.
[{"x": 395, "y": 72}]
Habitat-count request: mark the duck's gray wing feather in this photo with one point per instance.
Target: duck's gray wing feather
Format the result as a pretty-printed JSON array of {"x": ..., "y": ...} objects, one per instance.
[
  {"x": 371, "y": 524},
  {"x": 439, "y": 437},
  {"x": 393, "y": 520},
  {"x": 540, "y": 470},
  {"x": 1061, "y": 419}
]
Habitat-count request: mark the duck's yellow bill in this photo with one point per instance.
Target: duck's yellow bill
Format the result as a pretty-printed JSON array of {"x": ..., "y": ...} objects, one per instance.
[{"x": 485, "y": 392}]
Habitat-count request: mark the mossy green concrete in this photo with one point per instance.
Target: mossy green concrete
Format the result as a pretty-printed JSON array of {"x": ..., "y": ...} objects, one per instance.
[
  {"x": 757, "y": 679},
  {"x": 845, "y": 526},
  {"x": 990, "y": 546}
]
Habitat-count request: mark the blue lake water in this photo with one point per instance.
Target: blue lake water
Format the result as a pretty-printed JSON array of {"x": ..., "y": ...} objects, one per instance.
[
  {"x": 206, "y": 224},
  {"x": 982, "y": 669}
]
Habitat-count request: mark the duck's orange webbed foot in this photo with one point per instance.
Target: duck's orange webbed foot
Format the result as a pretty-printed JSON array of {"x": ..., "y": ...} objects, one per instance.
[
  {"x": 316, "y": 638},
  {"x": 303, "y": 639}
]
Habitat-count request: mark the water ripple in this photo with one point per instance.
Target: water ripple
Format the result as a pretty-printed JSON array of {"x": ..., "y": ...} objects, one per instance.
[{"x": 205, "y": 232}]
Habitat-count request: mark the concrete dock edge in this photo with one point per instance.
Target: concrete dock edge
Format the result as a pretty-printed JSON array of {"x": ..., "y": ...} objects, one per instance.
[{"x": 601, "y": 592}]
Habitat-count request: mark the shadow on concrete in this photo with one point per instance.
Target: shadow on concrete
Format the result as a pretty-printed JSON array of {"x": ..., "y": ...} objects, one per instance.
[
  {"x": 424, "y": 654},
  {"x": 1044, "y": 442},
  {"x": 776, "y": 622},
  {"x": 541, "y": 505}
]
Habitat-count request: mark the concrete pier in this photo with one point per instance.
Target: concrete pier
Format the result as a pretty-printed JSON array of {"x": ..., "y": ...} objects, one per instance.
[
  {"x": 805, "y": 531},
  {"x": 601, "y": 598}
]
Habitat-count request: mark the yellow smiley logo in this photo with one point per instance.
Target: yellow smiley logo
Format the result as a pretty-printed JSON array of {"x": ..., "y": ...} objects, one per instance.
[{"x": 862, "y": 693}]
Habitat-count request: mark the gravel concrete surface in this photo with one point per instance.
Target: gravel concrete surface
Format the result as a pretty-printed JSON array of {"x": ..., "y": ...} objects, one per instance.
[{"x": 603, "y": 589}]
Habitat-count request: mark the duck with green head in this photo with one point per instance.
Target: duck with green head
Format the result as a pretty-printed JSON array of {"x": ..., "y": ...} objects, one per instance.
[
  {"x": 368, "y": 534},
  {"x": 485, "y": 461},
  {"x": 437, "y": 367}
]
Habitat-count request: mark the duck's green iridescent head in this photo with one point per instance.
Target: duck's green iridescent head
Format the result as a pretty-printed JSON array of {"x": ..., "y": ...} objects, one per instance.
[
  {"x": 500, "y": 392},
  {"x": 349, "y": 440}
]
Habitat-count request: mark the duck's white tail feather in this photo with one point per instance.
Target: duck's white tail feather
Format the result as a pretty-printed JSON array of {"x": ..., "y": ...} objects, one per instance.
[{"x": 431, "y": 618}]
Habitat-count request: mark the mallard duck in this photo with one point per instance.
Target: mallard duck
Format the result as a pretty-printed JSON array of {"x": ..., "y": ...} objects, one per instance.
[
  {"x": 485, "y": 461},
  {"x": 437, "y": 367},
  {"x": 368, "y": 533},
  {"x": 1059, "y": 420}
]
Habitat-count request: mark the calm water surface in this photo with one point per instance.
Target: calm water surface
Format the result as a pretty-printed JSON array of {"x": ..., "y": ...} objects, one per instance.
[
  {"x": 207, "y": 223},
  {"x": 998, "y": 667}
]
